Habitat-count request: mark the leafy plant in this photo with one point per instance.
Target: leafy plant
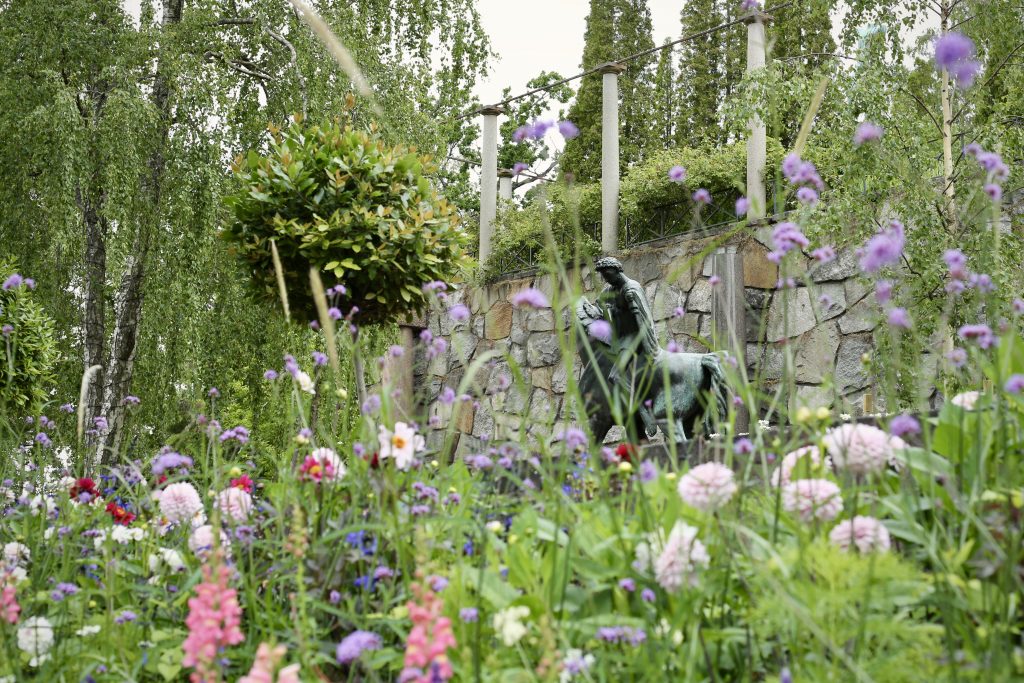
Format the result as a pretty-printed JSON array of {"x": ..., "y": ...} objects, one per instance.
[
  {"x": 28, "y": 347},
  {"x": 341, "y": 200}
]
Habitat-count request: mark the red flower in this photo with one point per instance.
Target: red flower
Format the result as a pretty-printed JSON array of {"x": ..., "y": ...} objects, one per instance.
[
  {"x": 243, "y": 482},
  {"x": 84, "y": 485},
  {"x": 373, "y": 459},
  {"x": 626, "y": 452},
  {"x": 120, "y": 515}
]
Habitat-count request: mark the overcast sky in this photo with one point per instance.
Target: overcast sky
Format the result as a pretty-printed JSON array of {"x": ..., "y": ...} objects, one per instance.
[{"x": 531, "y": 36}]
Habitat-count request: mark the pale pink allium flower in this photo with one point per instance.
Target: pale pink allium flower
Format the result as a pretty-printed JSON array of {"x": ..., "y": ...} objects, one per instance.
[
  {"x": 213, "y": 623},
  {"x": 679, "y": 563},
  {"x": 707, "y": 487},
  {"x": 804, "y": 461},
  {"x": 866, "y": 534},
  {"x": 180, "y": 502},
  {"x": 234, "y": 503},
  {"x": 426, "y": 649},
  {"x": 264, "y": 664},
  {"x": 401, "y": 444},
  {"x": 811, "y": 499},
  {"x": 861, "y": 448}
]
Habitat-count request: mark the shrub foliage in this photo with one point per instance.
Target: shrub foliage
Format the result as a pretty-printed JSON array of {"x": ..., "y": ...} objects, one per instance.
[{"x": 343, "y": 201}]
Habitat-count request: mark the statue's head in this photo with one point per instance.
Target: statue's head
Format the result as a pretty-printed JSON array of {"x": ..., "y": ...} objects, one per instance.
[{"x": 610, "y": 269}]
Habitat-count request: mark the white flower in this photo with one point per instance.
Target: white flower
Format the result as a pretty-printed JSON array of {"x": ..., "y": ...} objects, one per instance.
[
  {"x": 707, "y": 487},
  {"x": 647, "y": 549},
  {"x": 508, "y": 624},
  {"x": 86, "y": 631},
  {"x": 166, "y": 557},
  {"x": 16, "y": 554},
  {"x": 40, "y": 503},
  {"x": 330, "y": 464},
  {"x": 305, "y": 383},
  {"x": 123, "y": 534},
  {"x": 35, "y": 636},
  {"x": 48, "y": 534},
  {"x": 966, "y": 400},
  {"x": 402, "y": 444},
  {"x": 180, "y": 502},
  {"x": 201, "y": 541},
  {"x": 680, "y": 561},
  {"x": 15, "y": 574},
  {"x": 234, "y": 503}
]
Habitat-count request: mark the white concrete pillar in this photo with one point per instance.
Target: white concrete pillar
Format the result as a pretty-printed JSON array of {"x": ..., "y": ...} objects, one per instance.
[
  {"x": 505, "y": 184},
  {"x": 488, "y": 178},
  {"x": 757, "y": 140},
  {"x": 610, "y": 157},
  {"x": 728, "y": 318}
]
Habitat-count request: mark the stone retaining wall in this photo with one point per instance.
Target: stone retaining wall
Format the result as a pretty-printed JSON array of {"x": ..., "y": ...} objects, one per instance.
[{"x": 827, "y": 318}]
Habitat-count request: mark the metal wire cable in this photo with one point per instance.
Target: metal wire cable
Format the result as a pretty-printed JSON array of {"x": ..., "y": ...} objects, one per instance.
[{"x": 642, "y": 53}]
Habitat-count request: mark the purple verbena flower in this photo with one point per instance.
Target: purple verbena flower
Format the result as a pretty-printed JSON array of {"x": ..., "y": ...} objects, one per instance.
[
  {"x": 824, "y": 254},
  {"x": 530, "y": 297},
  {"x": 677, "y": 174},
  {"x": 884, "y": 249},
  {"x": 1014, "y": 384},
  {"x": 568, "y": 129},
  {"x": 954, "y": 52},
  {"x": 867, "y": 132},
  {"x": 600, "y": 330},
  {"x": 702, "y": 196},
  {"x": 355, "y": 644},
  {"x": 459, "y": 313},
  {"x": 898, "y": 317},
  {"x": 904, "y": 424},
  {"x": 980, "y": 333}
]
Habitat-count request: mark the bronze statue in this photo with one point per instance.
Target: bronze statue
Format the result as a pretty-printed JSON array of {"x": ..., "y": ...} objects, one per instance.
[{"x": 626, "y": 372}]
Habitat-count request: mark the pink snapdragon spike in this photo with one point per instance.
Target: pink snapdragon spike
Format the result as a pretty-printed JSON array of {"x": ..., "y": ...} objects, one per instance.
[
  {"x": 213, "y": 622},
  {"x": 9, "y": 607},
  {"x": 426, "y": 649}
]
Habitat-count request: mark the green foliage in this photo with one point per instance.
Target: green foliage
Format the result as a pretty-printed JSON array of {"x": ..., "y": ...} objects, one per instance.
[
  {"x": 573, "y": 212},
  {"x": 340, "y": 200},
  {"x": 28, "y": 352}
]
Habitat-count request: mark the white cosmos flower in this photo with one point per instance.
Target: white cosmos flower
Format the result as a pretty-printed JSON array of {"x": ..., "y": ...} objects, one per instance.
[{"x": 402, "y": 444}]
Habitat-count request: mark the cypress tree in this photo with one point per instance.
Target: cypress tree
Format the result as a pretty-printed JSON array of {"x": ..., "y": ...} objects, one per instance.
[
  {"x": 615, "y": 29},
  {"x": 700, "y": 76},
  {"x": 663, "y": 116}
]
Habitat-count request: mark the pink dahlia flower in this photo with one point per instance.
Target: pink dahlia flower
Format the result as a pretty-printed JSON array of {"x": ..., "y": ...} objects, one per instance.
[
  {"x": 867, "y": 534},
  {"x": 234, "y": 503},
  {"x": 811, "y": 499},
  {"x": 680, "y": 562},
  {"x": 804, "y": 461},
  {"x": 180, "y": 502},
  {"x": 707, "y": 487},
  {"x": 861, "y": 448}
]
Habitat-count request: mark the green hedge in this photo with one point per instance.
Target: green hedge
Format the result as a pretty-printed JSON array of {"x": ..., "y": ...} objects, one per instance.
[{"x": 574, "y": 211}]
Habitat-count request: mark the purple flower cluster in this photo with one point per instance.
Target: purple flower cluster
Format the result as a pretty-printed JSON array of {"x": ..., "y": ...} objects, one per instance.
[
  {"x": 883, "y": 249},
  {"x": 600, "y": 330},
  {"x": 702, "y": 197},
  {"x": 996, "y": 170},
  {"x": 742, "y": 206},
  {"x": 167, "y": 459},
  {"x": 539, "y": 128},
  {"x": 980, "y": 333},
  {"x": 867, "y": 132},
  {"x": 786, "y": 237},
  {"x": 530, "y": 297},
  {"x": 239, "y": 434},
  {"x": 622, "y": 635},
  {"x": 677, "y": 174},
  {"x": 903, "y": 425},
  {"x": 954, "y": 52},
  {"x": 459, "y": 313},
  {"x": 355, "y": 644},
  {"x": 519, "y": 167},
  {"x": 800, "y": 172}
]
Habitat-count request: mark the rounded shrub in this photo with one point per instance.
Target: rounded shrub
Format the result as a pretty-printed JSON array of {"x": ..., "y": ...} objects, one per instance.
[
  {"x": 357, "y": 209},
  {"x": 28, "y": 345}
]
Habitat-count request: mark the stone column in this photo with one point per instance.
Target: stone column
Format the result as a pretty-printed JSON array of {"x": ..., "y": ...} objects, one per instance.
[
  {"x": 610, "y": 157},
  {"x": 728, "y": 319},
  {"x": 757, "y": 142},
  {"x": 488, "y": 178},
  {"x": 505, "y": 184}
]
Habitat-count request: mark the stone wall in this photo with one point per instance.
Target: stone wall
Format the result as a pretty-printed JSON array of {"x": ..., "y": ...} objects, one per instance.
[{"x": 827, "y": 318}]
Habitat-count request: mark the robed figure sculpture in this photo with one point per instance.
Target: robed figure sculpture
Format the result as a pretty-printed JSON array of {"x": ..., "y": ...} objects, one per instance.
[{"x": 629, "y": 379}]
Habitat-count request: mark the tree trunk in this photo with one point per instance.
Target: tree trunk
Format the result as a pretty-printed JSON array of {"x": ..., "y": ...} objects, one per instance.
[
  {"x": 95, "y": 304},
  {"x": 128, "y": 303},
  {"x": 947, "y": 135}
]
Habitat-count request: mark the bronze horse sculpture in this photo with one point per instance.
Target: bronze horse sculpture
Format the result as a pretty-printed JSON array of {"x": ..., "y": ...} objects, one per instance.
[{"x": 627, "y": 375}]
